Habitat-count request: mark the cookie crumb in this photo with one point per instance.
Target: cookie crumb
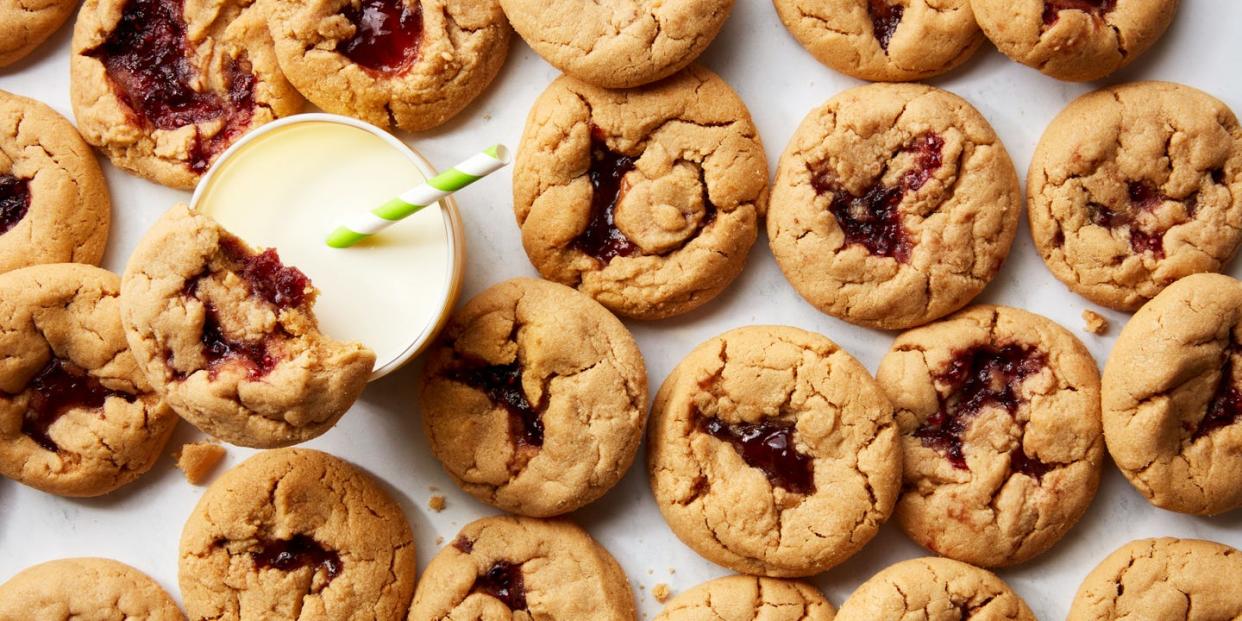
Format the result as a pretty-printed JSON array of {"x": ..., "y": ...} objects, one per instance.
[
  {"x": 661, "y": 592},
  {"x": 198, "y": 459},
  {"x": 1095, "y": 323},
  {"x": 439, "y": 540},
  {"x": 436, "y": 503}
]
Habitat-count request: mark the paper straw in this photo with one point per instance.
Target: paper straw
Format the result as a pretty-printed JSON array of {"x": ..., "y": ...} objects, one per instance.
[{"x": 360, "y": 226}]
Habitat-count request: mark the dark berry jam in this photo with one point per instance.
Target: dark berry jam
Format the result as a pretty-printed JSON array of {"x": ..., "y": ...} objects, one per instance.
[
  {"x": 1225, "y": 408},
  {"x": 503, "y": 581},
  {"x": 979, "y": 377},
  {"x": 58, "y": 388},
  {"x": 769, "y": 446},
  {"x": 502, "y": 384},
  {"x": 296, "y": 553},
  {"x": 1095, "y": 8},
  {"x": 884, "y": 20},
  {"x": 221, "y": 351},
  {"x": 275, "y": 282},
  {"x": 602, "y": 239},
  {"x": 14, "y": 201},
  {"x": 873, "y": 219},
  {"x": 1142, "y": 197},
  {"x": 387, "y": 35}
]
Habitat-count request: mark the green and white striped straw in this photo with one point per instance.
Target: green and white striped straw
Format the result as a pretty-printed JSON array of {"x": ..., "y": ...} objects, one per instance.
[{"x": 363, "y": 225}]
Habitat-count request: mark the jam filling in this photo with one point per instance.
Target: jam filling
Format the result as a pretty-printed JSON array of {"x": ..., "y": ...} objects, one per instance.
[
  {"x": 221, "y": 351},
  {"x": 885, "y": 18},
  {"x": 1142, "y": 197},
  {"x": 296, "y": 553},
  {"x": 147, "y": 59},
  {"x": 503, "y": 581},
  {"x": 873, "y": 219},
  {"x": 502, "y": 383},
  {"x": 387, "y": 35},
  {"x": 769, "y": 446},
  {"x": 279, "y": 284},
  {"x": 14, "y": 201},
  {"x": 979, "y": 377},
  {"x": 1094, "y": 8},
  {"x": 464, "y": 544},
  {"x": 602, "y": 239},
  {"x": 58, "y": 388},
  {"x": 1225, "y": 408}
]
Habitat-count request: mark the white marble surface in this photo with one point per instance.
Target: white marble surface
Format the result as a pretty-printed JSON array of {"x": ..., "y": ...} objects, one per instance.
[{"x": 780, "y": 82}]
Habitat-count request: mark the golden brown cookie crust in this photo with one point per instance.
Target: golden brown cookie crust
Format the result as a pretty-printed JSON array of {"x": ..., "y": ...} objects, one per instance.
[
  {"x": 85, "y": 589},
  {"x": 957, "y": 206},
  {"x": 181, "y": 275},
  {"x": 1077, "y": 46},
  {"x": 565, "y": 575},
  {"x": 928, "y": 38},
  {"x": 749, "y": 597},
  {"x": 1015, "y": 480},
  {"x": 1135, "y": 186},
  {"x": 69, "y": 314},
  {"x": 364, "y": 570},
  {"x": 619, "y": 44},
  {"x": 580, "y": 371},
  {"x": 1163, "y": 579},
  {"x": 734, "y": 514},
  {"x": 463, "y": 46},
  {"x": 1171, "y": 397},
  {"x": 25, "y": 25},
  {"x": 935, "y": 589},
  {"x": 697, "y": 151},
  {"x": 69, "y": 212}
]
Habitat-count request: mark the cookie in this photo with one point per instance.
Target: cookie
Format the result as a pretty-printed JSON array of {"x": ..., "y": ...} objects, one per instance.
[
  {"x": 228, "y": 336},
  {"x": 54, "y": 205},
  {"x": 894, "y": 205},
  {"x": 999, "y": 411},
  {"x": 1172, "y": 400},
  {"x": 1163, "y": 579},
  {"x": 648, "y": 199},
  {"x": 1135, "y": 186},
  {"x": 1074, "y": 40},
  {"x": 77, "y": 416},
  {"x": 296, "y": 533},
  {"x": 85, "y": 589},
  {"x": 749, "y": 597},
  {"x": 773, "y": 452},
  {"x": 884, "y": 40},
  {"x": 523, "y": 568},
  {"x": 535, "y": 398},
  {"x": 618, "y": 44},
  {"x": 936, "y": 589},
  {"x": 409, "y": 64},
  {"x": 24, "y": 27},
  {"x": 163, "y": 87}
]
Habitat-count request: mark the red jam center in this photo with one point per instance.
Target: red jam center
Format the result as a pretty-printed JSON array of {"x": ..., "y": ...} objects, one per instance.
[
  {"x": 980, "y": 377},
  {"x": 57, "y": 389},
  {"x": 464, "y": 544},
  {"x": 274, "y": 281},
  {"x": 296, "y": 553},
  {"x": 503, "y": 385},
  {"x": 873, "y": 220},
  {"x": 14, "y": 201},
  {"x": 884, "y": 20},
  {"x": 1225, "y": 408},
  {"x": 221, "y": 351},
  {"x": 1142, "y": 197},
  {"x": 387, "y": 35},
  {"x": 1095, "y": 8},
  {"x": 602, "y": 239},
  {"x": 147, "y": 59},
  {"x": 769, "y": 446},
  {"x": 503, "y": 581}
]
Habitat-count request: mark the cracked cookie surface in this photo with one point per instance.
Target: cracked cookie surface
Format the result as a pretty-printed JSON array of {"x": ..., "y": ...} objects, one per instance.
[
  {"x": 1074, "y": 40},
  {"x": 884, "y": 40},
  {"x": 85, "y": 589},
  {"x": 647, "y": 200},
  {"x": 26, "y": 24},
  {"x": 999, "y": 411},
  {"x": 739, "y": 598},
  {"x": 54, "y": 204},
  {"x": 162, "y": 87},
  {"x": 296, "y": 534},
  {"x": 773, "y": 452},
  {"x": 893, "y": 205},
  {"x": 1172, "y": 397},
  {"x": 1163, "y": 579},
  {"x": 618, "y": 44},
  {"x": 520, "y": 568},
  {"x": 934, "y": 589},
  {"x": 77, "y": 416},
  {"x": 228, "y": 336},
  {"x": 535, "y": 399},
  {"x": 409, "y": 64},
  {"x": 1135, "y": 186}
]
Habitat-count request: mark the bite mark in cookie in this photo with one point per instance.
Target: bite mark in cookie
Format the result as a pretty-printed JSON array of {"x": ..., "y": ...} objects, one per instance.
[
  {"x": 58, "y": 388},
  {"x": 14, "y": 201},
  {"x": 388, "y": 35}
]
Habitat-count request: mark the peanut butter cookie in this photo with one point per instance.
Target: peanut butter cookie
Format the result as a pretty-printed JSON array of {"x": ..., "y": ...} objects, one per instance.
[
  {"x": 734, "y": 598},
  {"x": 934, "y": 589},
  {"x": 25, "y": 25},
  {"x": 85, "y": 589}
]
